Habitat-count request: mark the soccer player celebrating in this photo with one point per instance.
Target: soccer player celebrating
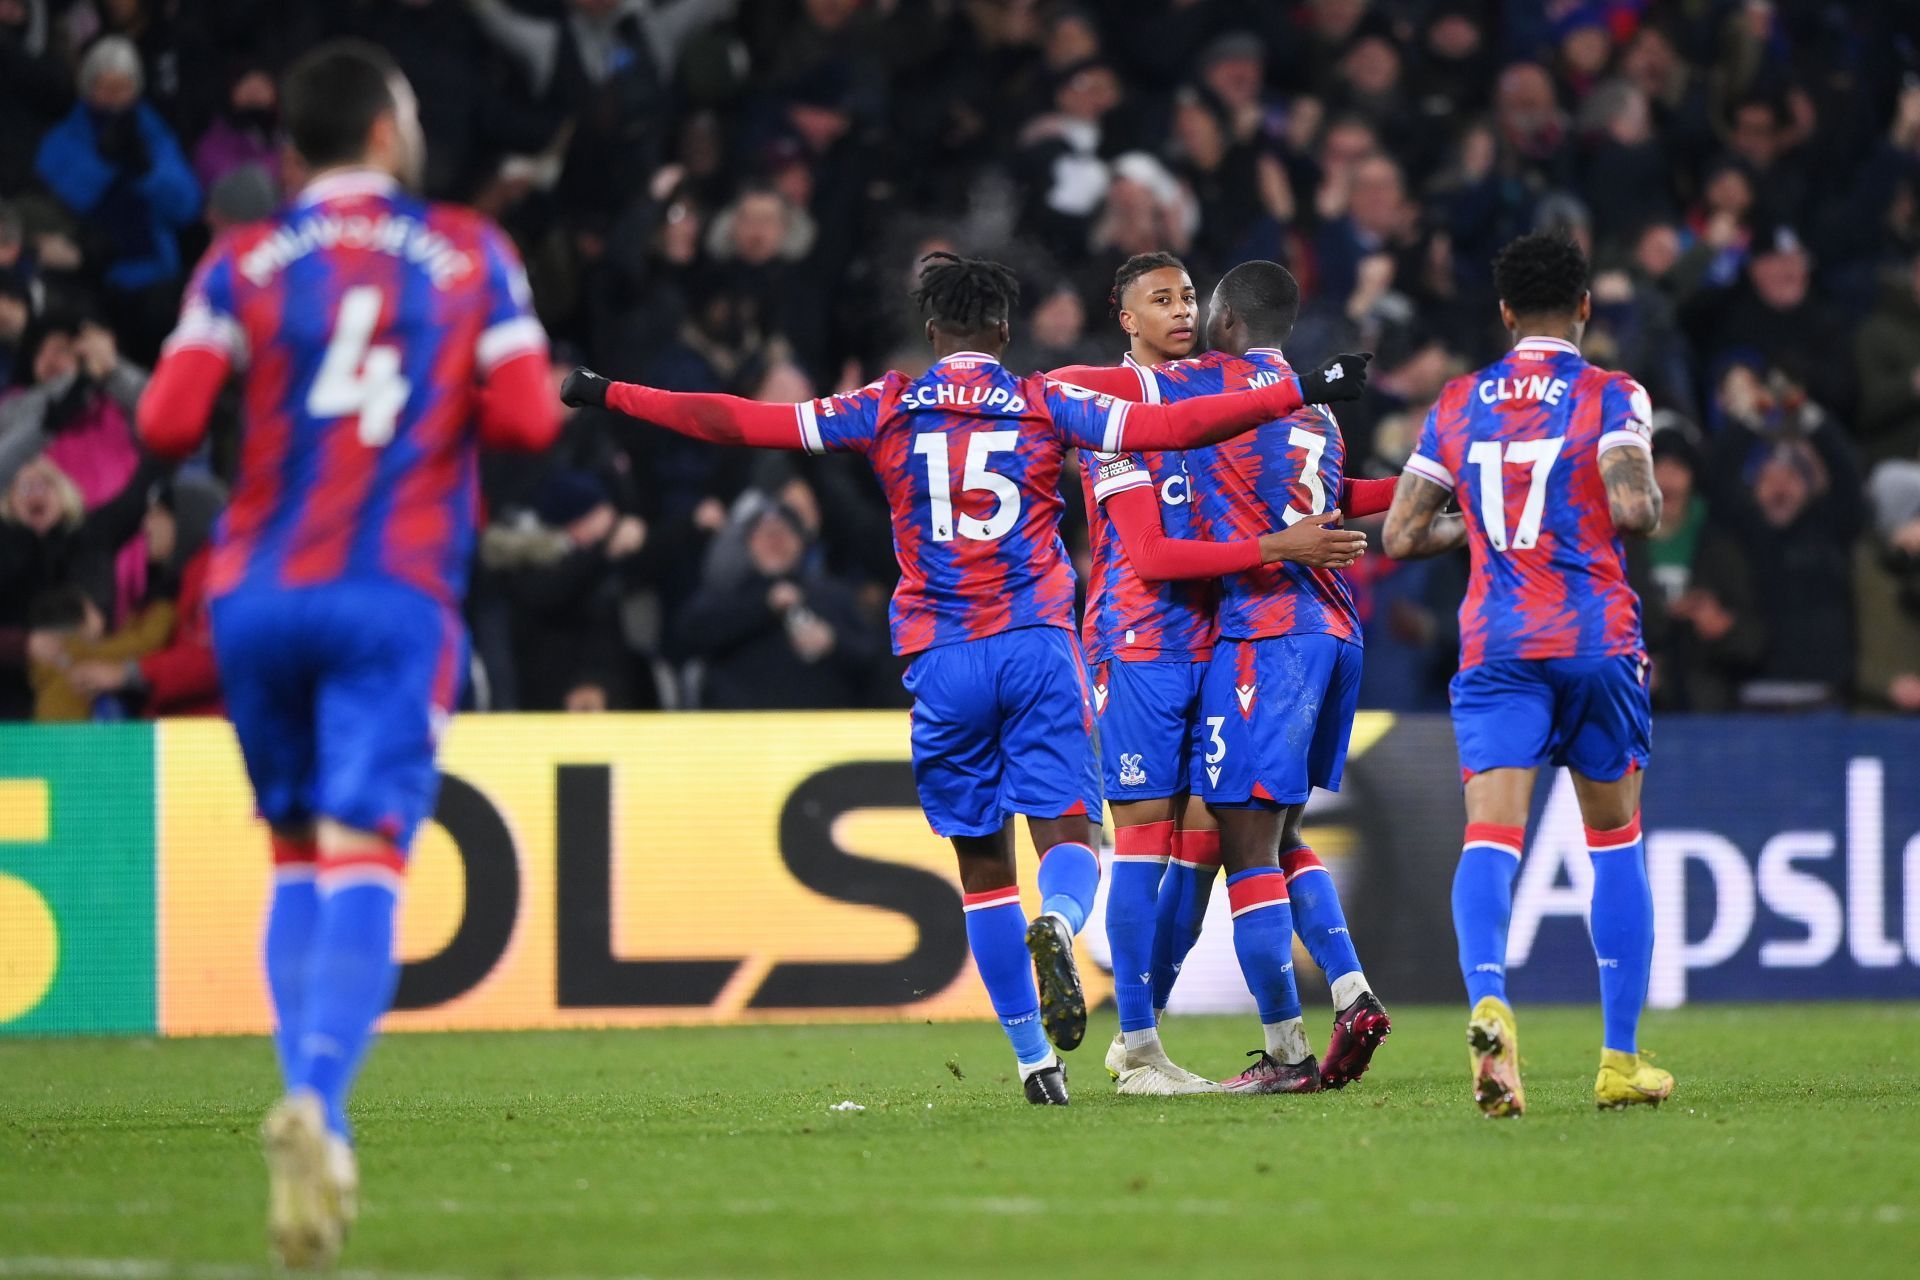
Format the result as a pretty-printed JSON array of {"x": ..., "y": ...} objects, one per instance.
[
  {"x": 1269, "y": 293},
  {"x": 969, "y": 456},
  {"x": 1148, "y": 632},
  {"x": 383, "y": 339},
  {"x": 1551, "y": 462}
]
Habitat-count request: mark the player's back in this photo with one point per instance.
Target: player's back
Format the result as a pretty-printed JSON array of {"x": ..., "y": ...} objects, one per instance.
[
  {"x": 969, "y": 456},
  {"x": 1520, "y": 443},
  {"x": 1127, "y": 617},
  {"x": 365, "y": 318},
  {"x": 1268, "y": 479}
]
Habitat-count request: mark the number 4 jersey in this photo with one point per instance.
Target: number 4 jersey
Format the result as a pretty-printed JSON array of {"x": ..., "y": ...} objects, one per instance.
[
  {"x": 1520, "y": 442},
  {"x": 367, "y": 322}
]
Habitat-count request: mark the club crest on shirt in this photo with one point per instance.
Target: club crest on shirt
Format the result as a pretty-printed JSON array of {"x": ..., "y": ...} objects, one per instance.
[{"x": 1131, "y": 774}]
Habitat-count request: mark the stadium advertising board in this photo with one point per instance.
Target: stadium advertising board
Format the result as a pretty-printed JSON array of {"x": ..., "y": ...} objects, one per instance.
[{"x": 630, "y": 871}]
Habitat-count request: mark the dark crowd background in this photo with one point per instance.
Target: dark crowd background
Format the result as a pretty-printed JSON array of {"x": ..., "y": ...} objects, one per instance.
[{"x": 732, "y": 195}]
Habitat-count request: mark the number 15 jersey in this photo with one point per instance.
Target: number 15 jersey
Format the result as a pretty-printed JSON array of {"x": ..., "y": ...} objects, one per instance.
[
  {"x": 969, "y": 456},
  {"x": 1519, "y": 442},
  {"x": 365, "y": 320}
]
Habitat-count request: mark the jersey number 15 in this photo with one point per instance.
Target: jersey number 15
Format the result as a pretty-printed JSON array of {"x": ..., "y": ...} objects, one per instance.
[{"x": 977, "y": 478}]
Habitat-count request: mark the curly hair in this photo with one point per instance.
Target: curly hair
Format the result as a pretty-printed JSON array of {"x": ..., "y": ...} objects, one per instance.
[
  {"x": 965, "y": 295},
  {"x": 1132, "y": 269},
  {"x": 1543, "y": 274}
]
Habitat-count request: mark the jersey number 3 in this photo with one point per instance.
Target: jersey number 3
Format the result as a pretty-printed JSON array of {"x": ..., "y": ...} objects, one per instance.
[
  {"x": 357, "y": 377},
  {"x": 977, "y": 478},
  {"x": 1492, "y": 458}
]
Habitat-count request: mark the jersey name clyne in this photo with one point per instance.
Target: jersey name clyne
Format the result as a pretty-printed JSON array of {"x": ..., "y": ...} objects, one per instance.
[
  {"x": 969, "y": 456},
  {"x": 1268, "y": 479},
  {"x": 364, "y": 319},
  {"x": 1519, "y": 442}
]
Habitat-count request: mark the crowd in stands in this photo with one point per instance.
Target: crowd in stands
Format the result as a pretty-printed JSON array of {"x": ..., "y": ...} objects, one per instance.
[{"x": 732, "y": 195}]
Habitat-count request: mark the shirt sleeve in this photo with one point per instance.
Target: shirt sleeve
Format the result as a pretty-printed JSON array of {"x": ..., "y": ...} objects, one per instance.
[
  {"x": 1086, "y": 419},
  {"x": 1424, "y": 461},
  {"x": 511, "y": 327},
  {"x": 1626, "y": 416},
  {"x": 844, "y": 423},
  {"x": 210, "y": 312},
  {"x": 1116, "y": 473}
]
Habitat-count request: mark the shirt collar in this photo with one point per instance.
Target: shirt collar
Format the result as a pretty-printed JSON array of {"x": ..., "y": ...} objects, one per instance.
[
  {"x": 342, "y": 184},
  {"x": 979, "y": 357},
  {"x": 1546, "y": 344},
  {"x": 1267, "y": 351}
]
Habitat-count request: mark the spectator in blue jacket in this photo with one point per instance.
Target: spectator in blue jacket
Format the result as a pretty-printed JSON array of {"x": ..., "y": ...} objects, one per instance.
[{"x": 117, "y": 166}]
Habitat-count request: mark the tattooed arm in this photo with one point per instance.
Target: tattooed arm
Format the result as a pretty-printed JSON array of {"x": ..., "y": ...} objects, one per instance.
[
  {"x": 1415, "y": 527},
  {"x": 1632, "y": 495}
]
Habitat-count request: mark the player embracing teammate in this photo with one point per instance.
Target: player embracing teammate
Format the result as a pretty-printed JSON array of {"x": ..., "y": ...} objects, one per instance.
[
  {"x": 1551, "y": 462},
  {"x": 1239, "y": 693},
  {"x": 969, "y": 456}
]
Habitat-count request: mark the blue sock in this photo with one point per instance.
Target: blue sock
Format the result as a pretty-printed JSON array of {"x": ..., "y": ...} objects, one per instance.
[
  {"x": 1184, "y": 895},
  {"x": 997, "y": 935},
  {"x": 1621, "y": 922},
  {"x": 1482, "y": 905},
  {"x": 349, "y": 985},
  {"x": 291, "y": 917},
  {"x": 1139, "y": 860},
  {"x": 1317, "y": 914},
  {"x": 1069, "y": 874},
  {"x": 1263, "y": 939}
]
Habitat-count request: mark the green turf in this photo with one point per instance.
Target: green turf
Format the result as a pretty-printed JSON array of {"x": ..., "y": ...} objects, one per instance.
[{"x": 1791, "y": 1148}]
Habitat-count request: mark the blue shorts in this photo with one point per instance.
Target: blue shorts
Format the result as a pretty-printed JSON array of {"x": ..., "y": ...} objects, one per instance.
[
  {"x": 1275, "y": 716},
  {"x": 338, "y": 694},
  {"x": 1145, "y": 713},
  {"x": 1592, "y": 715},
  {"x": 1003, "y": 725}
]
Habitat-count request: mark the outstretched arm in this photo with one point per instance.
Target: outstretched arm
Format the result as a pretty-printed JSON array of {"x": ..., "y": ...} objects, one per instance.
[
  {"x": 1415, "y": 527},
  {"x": 1159, "y": 558},
  {"x": 1117, "y": 380},
  {"x": 1632, "y": 495},
  {"x": 1210, "y": 419},
  {"x": 1366, "y": 497},
  {"x": 718, "y": 419}
]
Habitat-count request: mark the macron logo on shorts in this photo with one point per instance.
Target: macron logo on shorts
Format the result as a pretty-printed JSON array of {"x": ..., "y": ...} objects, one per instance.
[
  {"x": 1245, "y": 693},
  {"x": 1099, "y": 698}
]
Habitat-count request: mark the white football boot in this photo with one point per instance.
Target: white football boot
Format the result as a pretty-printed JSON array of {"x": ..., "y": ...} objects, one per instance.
[
  {"x": 304, "y": 1218},
  {"x": 1149, "y": 1073}
]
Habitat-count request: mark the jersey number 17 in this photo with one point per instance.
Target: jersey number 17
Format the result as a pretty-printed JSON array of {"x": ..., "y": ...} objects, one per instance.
[{"x": 1493, "y": 457}]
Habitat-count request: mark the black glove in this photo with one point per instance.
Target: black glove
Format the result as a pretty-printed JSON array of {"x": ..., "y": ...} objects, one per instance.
[
  {"x": 1342, "y": 378},
  {"x": 583, "y": 387}
]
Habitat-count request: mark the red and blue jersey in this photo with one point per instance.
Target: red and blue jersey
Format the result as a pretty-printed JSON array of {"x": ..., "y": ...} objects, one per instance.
[
  {"x": 1520, "y": 442},
  {"x": 1268, "y": 479},
  {"x": 969, "y": 456},
  {"x": 365, "y": 320},
  {"x": 1129, "y": 619}
]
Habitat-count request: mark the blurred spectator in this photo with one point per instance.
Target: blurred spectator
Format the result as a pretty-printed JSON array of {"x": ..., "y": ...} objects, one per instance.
[
  {"x": 1788, "y": 487},
  {"x": 1887, "y": 360},
  {"x": 178, "y": 677},
  {"x": 245, "y": 130},
  {"x": 780, "y": 635},
  {"x": 115, "y": 164},
  {"x": 1772, "y": 316},
  {"x": 1713, "y": 639},
  {"x": 39, "y": 88},
  {"x": 1887, "y": 581}
]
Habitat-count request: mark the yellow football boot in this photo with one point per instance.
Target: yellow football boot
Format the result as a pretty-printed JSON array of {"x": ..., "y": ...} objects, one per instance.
[
  {"x": 1493, "y": 1050},
  {"x": 1626, "y": 1081}
]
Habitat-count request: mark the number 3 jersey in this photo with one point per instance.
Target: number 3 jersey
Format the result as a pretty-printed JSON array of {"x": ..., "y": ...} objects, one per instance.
[
  {"x": 969, "y": 456},
  {"x": 1257, "y": 483},
  {"x": 1520, "y": 442},
  {"x": 364, "y": 320}
]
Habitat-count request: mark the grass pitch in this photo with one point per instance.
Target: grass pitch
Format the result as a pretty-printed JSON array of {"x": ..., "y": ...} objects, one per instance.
[{"x": 1792, "y": 1148}]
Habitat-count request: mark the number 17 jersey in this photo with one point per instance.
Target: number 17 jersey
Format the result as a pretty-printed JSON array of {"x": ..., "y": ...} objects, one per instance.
[{"x": 1519, "y": 442}]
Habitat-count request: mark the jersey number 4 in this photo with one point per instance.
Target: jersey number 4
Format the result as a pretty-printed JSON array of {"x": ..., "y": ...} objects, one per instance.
[
  {"x": 1493, "y": 458},
  {"x": 977, "y": 478},
  {"x": 357, "y": 377}
]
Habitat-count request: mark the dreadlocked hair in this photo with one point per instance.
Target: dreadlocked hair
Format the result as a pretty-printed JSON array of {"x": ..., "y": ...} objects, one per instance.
[
  {"x": 966, "y": 295},
  {"x": 1543, "y": 274},
  {"x": 1132, "y": 269}
]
